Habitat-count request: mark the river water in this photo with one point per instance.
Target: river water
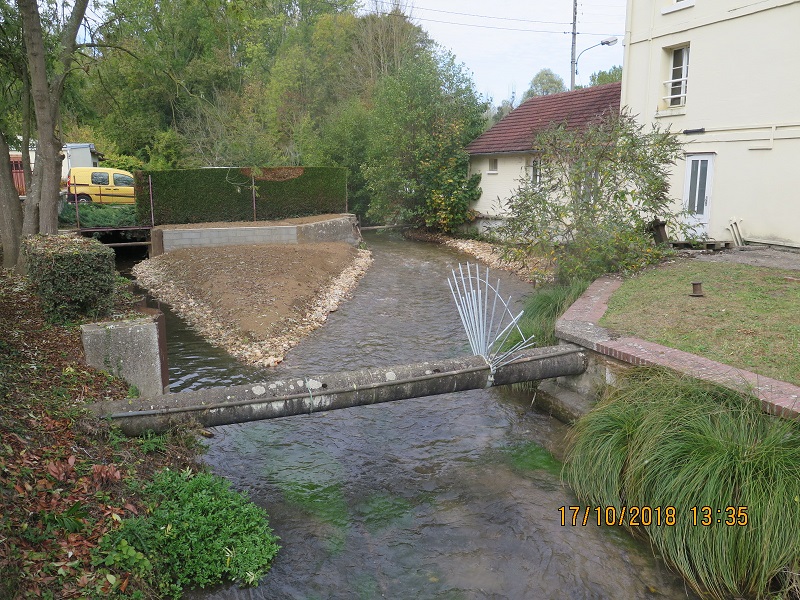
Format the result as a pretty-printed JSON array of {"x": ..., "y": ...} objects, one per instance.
[{"x": 447, "y": 497}]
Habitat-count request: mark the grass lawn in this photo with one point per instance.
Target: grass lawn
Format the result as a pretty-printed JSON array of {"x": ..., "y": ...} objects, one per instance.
[{"x": 749, "y": 317}]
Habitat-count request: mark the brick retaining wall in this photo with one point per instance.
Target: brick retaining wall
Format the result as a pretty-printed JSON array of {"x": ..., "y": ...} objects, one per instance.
[{"x": 614, "y": 352}]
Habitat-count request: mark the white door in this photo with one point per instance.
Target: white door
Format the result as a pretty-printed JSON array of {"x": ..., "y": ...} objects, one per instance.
[{"x": 697, "y": 190}]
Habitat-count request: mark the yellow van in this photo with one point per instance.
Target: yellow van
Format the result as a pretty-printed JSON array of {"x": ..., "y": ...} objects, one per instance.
[{"x": 101, "y": 185}]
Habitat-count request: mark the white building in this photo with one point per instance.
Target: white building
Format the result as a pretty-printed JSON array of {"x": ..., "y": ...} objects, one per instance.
[
  {"x": 504, "y": 154},
  {"x": 725, "y": 74}
]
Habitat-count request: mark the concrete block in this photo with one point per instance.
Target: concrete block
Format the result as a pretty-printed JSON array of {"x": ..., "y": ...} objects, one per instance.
[{"x": 134, "y": 350}]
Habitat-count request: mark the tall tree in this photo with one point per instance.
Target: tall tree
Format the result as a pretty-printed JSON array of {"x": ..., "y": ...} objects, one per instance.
[
  {"x": 614, "y": 74},
  {"x": 44, "y": 74},
  {"x": 544, "y": 83}
]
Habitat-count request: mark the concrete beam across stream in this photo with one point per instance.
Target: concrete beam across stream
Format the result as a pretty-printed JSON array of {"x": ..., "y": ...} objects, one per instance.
[{"x": 302, "y": 396}]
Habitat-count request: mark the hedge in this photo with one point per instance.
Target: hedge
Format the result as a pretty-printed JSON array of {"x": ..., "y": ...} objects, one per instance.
[
  {"x": 226, "y": 194},
  {"x": 73, "y": 276}
]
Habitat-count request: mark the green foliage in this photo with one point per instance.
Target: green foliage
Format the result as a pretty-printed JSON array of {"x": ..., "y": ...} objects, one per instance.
[
  {"x": 198, "y": 533},
  {"x": 603, "y": 77},
  {"x": 544, "y": 307},
  {"x": 99, "y": 215},
  {"x": 124, "y": 162},
  {"x": 664, "y": 440},
  {"x": 226, "y": 194},
  {"x": 416, "y": 166},
  {"x": 599, "y": 189},
  {"x": 73, "y": 276},
  {"x": 544, "y": 83}
]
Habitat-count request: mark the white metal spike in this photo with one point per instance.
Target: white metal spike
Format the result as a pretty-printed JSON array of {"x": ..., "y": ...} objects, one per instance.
[{"x": 473, "y": 295}]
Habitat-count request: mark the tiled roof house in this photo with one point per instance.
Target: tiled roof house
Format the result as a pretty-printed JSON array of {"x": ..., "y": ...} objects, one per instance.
[{"x": 504, "y": 153}]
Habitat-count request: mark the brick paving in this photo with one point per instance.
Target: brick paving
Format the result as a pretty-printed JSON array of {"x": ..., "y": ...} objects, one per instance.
[{"x": 579, "y": 325}]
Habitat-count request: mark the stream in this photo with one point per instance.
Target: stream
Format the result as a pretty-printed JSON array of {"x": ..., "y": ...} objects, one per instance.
[{"x": 447, "y": 497}]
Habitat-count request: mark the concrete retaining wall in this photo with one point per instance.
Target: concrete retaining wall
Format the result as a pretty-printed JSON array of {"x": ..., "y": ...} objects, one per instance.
[
  {"x": 341, "y": 229},
  {"x": 134, "y": 350}
]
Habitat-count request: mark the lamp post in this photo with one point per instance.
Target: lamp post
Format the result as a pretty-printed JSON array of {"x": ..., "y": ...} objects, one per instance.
[{"x": 606, "y": 42}]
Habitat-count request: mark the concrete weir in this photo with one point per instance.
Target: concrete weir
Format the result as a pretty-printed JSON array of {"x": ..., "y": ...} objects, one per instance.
[{"x": 298, "y": 396}]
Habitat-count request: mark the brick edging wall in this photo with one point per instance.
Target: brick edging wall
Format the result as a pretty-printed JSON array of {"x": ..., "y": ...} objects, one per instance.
[{"x": 579, "y": 326}]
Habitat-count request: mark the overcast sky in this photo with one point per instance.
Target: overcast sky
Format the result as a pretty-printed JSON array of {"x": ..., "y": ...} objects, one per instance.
[{"x": 504, "y": 43}]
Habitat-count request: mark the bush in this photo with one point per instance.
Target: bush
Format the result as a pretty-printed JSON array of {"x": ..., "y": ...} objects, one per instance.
[
  {"x": 662, "y": 440},
  {"x": 99, "y": 215},
  {"x": 226, "y": 194},
  {"x": 198, "y": 533},
  {"x": 596, "y": 193},
  {"x": 73, "y": 276}
]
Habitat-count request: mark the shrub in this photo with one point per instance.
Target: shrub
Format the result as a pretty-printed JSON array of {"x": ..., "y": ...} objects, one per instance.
[
  {"x": 664, "y": 440},
  {"x": 226, "y": 194},
  {"x": 73, "y": 276},
  {"x": 99, "y": 215},
  {"x": 198, "y": 533},
  {"x": 597, "y": 191}
]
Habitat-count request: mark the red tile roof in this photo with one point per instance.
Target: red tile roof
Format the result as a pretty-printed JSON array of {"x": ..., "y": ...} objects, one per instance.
[{"x": 515, "y": 133}]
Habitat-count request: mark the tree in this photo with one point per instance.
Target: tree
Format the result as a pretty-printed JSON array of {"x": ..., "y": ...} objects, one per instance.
[
  {"x": 597, "y": 191},
  {"x": 544, "y": 83},
  {"x": 47, "y": 63},
  {"x": 614, "y": 74}
]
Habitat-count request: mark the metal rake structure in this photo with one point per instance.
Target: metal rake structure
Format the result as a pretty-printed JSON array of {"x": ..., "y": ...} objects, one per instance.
[{"x": 487, "y": 317}]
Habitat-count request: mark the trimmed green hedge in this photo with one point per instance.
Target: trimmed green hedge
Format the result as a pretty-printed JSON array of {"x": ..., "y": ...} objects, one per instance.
[
  {"x": 100, "y": 215},
  {"x": 73, "y": 276},
  {"x": 226, "y": 194}
]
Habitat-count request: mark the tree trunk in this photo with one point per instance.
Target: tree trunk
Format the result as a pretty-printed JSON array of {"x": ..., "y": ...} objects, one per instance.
[
  {"x": 10, "y": 210},
  {"x": 46, "y": 95}
]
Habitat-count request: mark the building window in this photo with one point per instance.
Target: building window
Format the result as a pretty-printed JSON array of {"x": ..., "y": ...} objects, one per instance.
[
  {"x": 492, "y": 165},
  {"x": 678, "y": 77},
  {"x": 534, "y": 170}
]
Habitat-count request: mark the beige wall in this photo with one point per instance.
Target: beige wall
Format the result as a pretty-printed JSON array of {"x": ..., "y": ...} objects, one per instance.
[
  {"x": 498, "y": 186},
  {"x": 743, "y": 90}
]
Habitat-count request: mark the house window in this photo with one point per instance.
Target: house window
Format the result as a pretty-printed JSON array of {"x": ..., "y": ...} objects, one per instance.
[
  {"x": 492, "y": 165},
  {"x": 678, "y": 77},
  {"x": 534, "y": 170}
]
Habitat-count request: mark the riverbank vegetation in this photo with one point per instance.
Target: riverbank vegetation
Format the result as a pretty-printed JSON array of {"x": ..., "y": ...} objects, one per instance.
[
  {"x": 81, "y": 506},
  {"x": 597, "y": 193},
  {"x": 747, "y": 317},
  {"x": 720, "y": 480}
]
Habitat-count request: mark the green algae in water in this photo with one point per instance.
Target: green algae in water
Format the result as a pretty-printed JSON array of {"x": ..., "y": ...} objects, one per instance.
[
  {"x": 325, "y": 502},
  {"x": 380, "y": 511},
  {"x": 530, "y": 456}
]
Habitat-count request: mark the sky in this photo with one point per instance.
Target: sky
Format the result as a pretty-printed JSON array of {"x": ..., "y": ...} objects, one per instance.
[{"x": 504, "y": 43}]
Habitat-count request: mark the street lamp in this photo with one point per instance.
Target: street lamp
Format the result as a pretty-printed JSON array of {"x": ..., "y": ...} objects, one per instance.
[{"x": 606, "y": 42}]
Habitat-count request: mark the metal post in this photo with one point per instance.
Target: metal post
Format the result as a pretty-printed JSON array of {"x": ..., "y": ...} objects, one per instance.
[
  {"x": 152, "y": 215},
  {"x": 253, "y": 187},
  {"x": 574, "y": 39}
]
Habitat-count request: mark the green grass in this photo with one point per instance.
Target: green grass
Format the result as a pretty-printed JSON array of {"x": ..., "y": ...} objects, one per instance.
[
  {"x": 748, "y": 317},
  {"x": 543, "y": 308},
  {"x": 662, "y": 440}
]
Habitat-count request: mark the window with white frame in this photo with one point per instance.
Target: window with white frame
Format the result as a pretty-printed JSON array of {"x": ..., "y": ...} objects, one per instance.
[
  {"x": 492, "y": 165},
  {"x": 678, "y": 77}
]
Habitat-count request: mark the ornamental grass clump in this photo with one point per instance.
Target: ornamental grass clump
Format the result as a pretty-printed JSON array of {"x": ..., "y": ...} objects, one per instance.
[{"x": 731, "y": 472}]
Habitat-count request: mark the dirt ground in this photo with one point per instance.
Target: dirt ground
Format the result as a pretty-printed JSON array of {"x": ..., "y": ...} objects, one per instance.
[{"x": 255, "y": 301}]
